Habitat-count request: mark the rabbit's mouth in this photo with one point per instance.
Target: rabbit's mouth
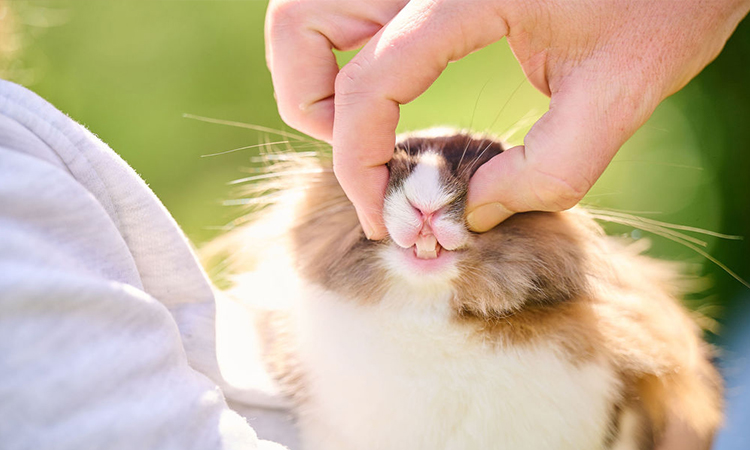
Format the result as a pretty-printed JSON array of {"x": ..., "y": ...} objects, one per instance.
[
  {"x": 424, "y": 262},
  {"x": 427, "y": 247}
]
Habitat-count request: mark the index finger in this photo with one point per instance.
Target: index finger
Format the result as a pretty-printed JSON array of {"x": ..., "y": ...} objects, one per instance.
[{"x": 395, "y": 67}]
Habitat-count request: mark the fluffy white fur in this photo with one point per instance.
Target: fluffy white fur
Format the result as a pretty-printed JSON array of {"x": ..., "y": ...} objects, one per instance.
[
  {"x": 382, "y": 371},
  {"x": 423, "y": 188}
]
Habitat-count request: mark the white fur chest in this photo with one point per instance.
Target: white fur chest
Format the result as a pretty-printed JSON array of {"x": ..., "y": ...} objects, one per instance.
[{"x": 401, "y": 375}]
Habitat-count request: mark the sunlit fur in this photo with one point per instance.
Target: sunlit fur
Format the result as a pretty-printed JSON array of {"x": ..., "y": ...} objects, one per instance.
[{"x": 541, "y": 333}]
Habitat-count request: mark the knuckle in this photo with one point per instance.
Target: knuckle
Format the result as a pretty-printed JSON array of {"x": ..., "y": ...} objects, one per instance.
[
  {"x": 556, "y": 193},
  {"x": 281, "y": 11},
  {"x": 291, "y": 116},
  {"x": 351, "y": 79},
  {"x": 316, "y": 121},
  {"x": 284, "y": 21}
]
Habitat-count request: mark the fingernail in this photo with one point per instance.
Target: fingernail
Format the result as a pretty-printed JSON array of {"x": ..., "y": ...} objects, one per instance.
[
  {"x": 366, "y": 226},
  {"x": 487, "y": 216}
]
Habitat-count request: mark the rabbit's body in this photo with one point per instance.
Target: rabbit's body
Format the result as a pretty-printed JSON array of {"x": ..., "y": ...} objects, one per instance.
[
  {"x": 542, "y": 333},
  {"x": 402, "y": 374}
]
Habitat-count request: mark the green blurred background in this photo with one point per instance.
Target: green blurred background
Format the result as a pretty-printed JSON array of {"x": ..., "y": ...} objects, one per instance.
[{"x": 129, "y": 70}]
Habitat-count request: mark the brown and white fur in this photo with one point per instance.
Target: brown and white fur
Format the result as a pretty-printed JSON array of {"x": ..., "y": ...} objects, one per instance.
[{"x": 542, "y": 333}]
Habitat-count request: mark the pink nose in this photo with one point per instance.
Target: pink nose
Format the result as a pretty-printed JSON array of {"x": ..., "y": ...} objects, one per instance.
[
  {"x": 426, "y": 242},
  {"x": 426, "y": 219}
]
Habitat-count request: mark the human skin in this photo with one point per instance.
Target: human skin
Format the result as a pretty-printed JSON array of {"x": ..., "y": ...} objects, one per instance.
[{"x": 605, "y": 65}]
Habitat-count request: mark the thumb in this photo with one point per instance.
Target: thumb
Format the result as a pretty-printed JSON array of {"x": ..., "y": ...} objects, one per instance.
[{"x": 564, "y": 153}]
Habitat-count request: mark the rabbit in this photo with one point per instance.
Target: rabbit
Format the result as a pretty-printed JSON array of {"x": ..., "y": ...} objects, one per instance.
[{"x": 542, "y": 333}]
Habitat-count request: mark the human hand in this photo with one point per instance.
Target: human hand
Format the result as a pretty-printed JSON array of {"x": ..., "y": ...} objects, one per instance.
[{"x": 605, "y": 65}]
